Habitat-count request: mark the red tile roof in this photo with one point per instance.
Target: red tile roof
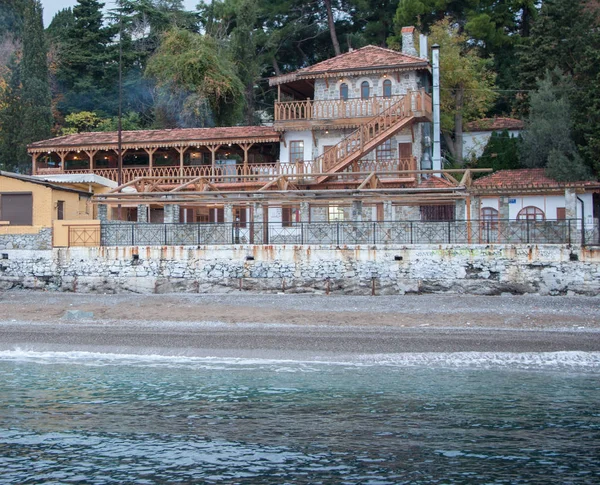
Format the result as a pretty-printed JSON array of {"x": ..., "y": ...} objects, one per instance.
[
  {"x": 184, "y": 136},
  {"x": 366, "y": 58},
  {"x": 525, "y": 178},
  {"x": 495, "y": 124}
]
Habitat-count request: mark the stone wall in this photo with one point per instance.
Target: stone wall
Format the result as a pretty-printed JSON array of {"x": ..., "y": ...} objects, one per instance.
[
  {"x": 489, "y": 270},
  {"x": 41, "y": 240}
]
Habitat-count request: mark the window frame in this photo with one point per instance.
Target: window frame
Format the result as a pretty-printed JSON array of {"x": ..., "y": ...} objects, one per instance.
[
  {"x": 531, "y": 213},
  {"x": 386, "y": 83},
  {"x": 363, "y": 85},
  {"x": 292, "y": 151},
  {"x": 344, "y": 87}
]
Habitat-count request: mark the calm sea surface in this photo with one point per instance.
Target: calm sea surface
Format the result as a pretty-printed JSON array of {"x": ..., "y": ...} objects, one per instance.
[{"x": 417, "y": 418}]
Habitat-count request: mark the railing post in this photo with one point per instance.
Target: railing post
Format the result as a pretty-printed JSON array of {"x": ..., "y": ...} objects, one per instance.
[
  {"x": 374, "y": 233},
  {"x": 337, "y": 233},
  {"x": 527, "y": 231},
  {"x": 569, "y": 229},
  {"x": 133, "y": 234},
  {"x": 411, "y": 232},
  {"x": 449, "y": 232},
  {"x": 165, "y": 236},
  {"x": 302, "y": 233}
]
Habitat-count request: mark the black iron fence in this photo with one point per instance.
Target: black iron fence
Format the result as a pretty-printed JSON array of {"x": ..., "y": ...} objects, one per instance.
[{"x": 566, "y": 231}]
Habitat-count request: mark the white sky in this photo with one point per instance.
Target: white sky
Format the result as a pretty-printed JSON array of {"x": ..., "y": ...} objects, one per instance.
[{"x": 53, "y": 6}]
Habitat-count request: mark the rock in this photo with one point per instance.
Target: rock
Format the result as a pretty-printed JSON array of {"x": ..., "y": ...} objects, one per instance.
[{"x": 78, "y": 315}]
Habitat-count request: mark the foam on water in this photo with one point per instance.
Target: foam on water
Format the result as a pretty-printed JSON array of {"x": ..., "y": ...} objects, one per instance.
[{"x": 574, "y": 360}]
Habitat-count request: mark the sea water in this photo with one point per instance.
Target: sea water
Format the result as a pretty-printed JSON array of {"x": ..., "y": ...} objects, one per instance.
[{"x": 78, "y": 417}]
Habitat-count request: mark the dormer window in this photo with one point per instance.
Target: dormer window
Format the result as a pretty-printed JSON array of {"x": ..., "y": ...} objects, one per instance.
[
  {"x": 344, "y": 91},
  {"x": 387, "y": 88},
  {"x": 364, "y": 90}
]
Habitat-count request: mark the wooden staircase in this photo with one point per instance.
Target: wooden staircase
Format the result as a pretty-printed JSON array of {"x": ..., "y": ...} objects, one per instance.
[{"x": 373, "y": 133}]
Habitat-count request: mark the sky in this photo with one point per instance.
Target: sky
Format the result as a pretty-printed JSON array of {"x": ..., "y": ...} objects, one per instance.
[{"x": 53, "y": 6}]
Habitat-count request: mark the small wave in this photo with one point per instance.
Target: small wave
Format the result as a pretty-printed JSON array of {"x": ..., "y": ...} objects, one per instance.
[{"x": 575, "y": 360}]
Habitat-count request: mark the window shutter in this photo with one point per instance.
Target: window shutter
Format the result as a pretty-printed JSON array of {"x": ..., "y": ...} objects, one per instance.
[{"x": 17, "y": 209}]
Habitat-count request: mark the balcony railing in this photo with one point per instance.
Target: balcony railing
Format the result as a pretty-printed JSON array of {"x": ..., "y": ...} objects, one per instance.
[
  {"x": 347, "y": 232},
  {"x": 231, "y": 173},
  {"x": 331, "y": 109}
]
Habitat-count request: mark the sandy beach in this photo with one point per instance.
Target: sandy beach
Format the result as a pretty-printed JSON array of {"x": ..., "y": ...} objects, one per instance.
[{"x": 279, "y": 326}]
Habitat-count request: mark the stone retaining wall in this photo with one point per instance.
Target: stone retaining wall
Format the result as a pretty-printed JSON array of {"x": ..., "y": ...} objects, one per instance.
[
  {"x": 487, "y": 270},
  {"x": 41, "y": 240}
]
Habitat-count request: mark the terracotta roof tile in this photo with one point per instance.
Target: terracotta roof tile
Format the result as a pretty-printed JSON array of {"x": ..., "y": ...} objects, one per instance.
[
  {"x": 201, "y": 135},
  {"x": 495, "y": 124},
  {"x": 365, "y": 58},
  {"x": 524, "y": 179}
]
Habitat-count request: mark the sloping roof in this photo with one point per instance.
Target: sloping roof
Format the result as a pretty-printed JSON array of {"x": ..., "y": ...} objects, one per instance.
[
  {"x": 525, "y": 178},
  {"x": 150, "y": 138},
  {"x": 78, "y": 178},
  {"x": 494, "y": 124},
  {"x": 364, "y": 59},
  {"x": 35, "y": 180}
]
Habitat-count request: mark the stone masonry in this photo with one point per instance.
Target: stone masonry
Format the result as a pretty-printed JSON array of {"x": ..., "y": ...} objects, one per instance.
[{"x": 475, "y": 269}]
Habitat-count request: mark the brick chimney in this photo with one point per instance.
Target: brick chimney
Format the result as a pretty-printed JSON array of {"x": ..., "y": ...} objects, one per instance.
[{"x": 408, "y": 41}]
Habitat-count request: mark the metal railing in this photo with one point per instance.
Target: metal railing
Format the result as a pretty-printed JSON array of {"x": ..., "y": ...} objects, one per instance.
[{"x": 347, "y": 233}]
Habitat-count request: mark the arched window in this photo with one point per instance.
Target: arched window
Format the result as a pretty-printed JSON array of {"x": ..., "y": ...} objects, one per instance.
[
  {"x": 531, "y": 213},
  {"x": 387, "y": 88},
  {"x": 364, "y": 90},
  {"x": 344, "y": 91},
  {"x": 489, "y": 216}
]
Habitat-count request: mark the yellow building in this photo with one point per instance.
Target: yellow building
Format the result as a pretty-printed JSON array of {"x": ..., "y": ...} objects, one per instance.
[{"x": 30, "y": 207}]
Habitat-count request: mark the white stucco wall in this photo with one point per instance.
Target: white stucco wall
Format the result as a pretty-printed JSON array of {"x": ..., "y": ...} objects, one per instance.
[
  {"x": 547, "y": 203},
  {"x": 289, "y": 136},
  {"x": 475, "y": 142}
]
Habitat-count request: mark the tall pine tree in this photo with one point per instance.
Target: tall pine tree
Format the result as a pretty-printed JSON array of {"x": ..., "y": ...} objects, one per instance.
[
  {"x": 35, "y": 96},
  {"x": 10, "y": 116}
]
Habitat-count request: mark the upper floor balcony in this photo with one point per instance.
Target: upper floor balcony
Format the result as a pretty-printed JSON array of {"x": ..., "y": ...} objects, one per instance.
[{"x": 345, "y": 113}]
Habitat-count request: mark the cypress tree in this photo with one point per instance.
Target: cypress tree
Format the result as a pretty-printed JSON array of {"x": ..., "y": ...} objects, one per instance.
[
  {"x": 10, "y": 116},
  {"x": 36, "y": 98}
]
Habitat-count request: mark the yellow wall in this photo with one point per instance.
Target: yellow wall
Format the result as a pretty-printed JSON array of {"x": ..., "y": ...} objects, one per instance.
[
  {"x": 83, "y": 233},
  {"x": 44, "y": 205}
]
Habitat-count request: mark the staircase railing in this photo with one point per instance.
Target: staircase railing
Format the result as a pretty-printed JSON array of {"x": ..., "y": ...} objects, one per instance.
[{"x": 356, "y": 143}]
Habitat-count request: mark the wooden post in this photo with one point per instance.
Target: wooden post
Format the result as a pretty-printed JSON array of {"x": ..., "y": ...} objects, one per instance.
[
  {"x": 181, "y": 151},
  {"x": 62, "y": 156},
  {"x": 213, "y": 150},
  {"x": 245, "y": 147},
  {"x": 91, "y": 154},
  {"x": 150, "y": 152},
  {"x": 34, "y": 163}
]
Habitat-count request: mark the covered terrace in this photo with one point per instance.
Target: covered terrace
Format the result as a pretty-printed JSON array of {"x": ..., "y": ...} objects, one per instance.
[{"x": 210, "y": 152}]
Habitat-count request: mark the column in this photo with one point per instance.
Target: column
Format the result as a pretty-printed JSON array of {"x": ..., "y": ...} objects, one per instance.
[
  {"x": 102, "y": 213},
  {"x": 460, "y": 211},
  {"x": 570, "y": 203},
  {"x": 142, "y": 212},
  {"x": 304, "y": 212},
  {"x": 228, "y": 213},
  {"x": 171, "y": 213},
  {"x": 503, "y": 208},
  {"x": 258, "y": 228},
  {"x": 357, "y": 207},
  {"x": 388, "y": 211}
]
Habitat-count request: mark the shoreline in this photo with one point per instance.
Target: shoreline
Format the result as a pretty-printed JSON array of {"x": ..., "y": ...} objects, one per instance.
[{"x": 299, "y": 327}]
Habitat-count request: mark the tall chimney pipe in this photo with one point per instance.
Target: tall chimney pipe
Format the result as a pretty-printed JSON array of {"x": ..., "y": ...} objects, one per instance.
[
  {"x": 437, "y": 152},
  {"x": 423, "y": 54}
]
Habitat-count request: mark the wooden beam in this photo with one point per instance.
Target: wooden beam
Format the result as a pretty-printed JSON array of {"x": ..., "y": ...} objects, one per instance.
[
  {"x": 466, "y": 179},
  {"x": 366, "y": 181}
]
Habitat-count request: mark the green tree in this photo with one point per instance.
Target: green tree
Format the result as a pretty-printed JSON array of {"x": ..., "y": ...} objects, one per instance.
[
  {"x": 35, "y": 96},
  {"x": 466, "y": 85},
  {"x": 196, "y": 81},
  {"x": 502, "y": 152},
  {"x": 566, "y": 36},
  {"x": 548, "y": 140},
  {"x": 10, "y": 116},
  {"x": 87, "y": 70}
]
